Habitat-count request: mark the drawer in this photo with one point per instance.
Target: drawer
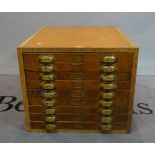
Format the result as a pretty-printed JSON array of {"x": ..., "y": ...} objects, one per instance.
[
  {"x": 79, "y": 110},
  {"x": 35, "y": 93},
  {"x": 87, "y": 85},
  {"x": 76, "y": 126},
  {"x": 78, "y": 118},
  {"x": 66, "y": 75},
  {"x": 121, "y": 100},
  {"x": 78, "y": 57},
  {"x": 78, "y": 67}
]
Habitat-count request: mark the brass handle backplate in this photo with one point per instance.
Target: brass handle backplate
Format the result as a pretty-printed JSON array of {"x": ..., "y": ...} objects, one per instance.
[
  {"x": 106, "y": 112},
  {"x": 108, "y": 59},
  {"x": 47, "y": 69},
  {"x": 107, "y": 95},
  {"x": 108, "y": 77},
  {"x": 50, "y": 111},
  {"x": 50, "y": 119},
  {"x": 106, "y": 127},
  {"x": 46, "y": 59},
  {"x": 49, "y": 103},
  {"x": 106, "y": 120},
  {"x": 50, "y": 127},
  {"x": 105, "y": 103},
  {"x": 49, "y": 95},
  {"x": 47, "y": 77},
  {"x": 47, "y": 86},
  {"x": 108, "y": 69},
  {"x": 108, "y": 86}
]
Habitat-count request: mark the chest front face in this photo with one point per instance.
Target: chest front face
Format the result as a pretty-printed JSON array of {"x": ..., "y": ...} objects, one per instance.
[{"x": 78, "y": 89}]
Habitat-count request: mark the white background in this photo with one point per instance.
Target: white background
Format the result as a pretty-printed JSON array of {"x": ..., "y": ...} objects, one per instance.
[{"x": 16, "y": 27}]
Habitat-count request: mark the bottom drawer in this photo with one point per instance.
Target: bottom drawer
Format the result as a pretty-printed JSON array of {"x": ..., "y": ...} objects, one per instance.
[{"x": 79, "y": 126}]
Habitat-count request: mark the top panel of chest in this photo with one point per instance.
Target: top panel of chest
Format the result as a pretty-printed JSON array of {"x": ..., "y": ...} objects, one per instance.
[{"x": 78, "y": 37}]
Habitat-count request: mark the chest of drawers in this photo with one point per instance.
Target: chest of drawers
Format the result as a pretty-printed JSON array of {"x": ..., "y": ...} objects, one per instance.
[{"x": 78, "y": 79}]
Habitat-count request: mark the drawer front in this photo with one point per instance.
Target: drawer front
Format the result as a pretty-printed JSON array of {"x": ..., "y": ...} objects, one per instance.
[
  {"x": 94, "y": 110},
  {"x": 66, "y": 75},
  {"x": 78, "y": 57},
  {"x": 67, "y": 85},
  {"x": 36, "y": 93},
  {"x": 122, "y": 100},
  {"x": 86, "y": 91},
  {"x": 78, "y": 126},
  {"x": 76, "y": 117},
  {"x": 78, "y": 67}
]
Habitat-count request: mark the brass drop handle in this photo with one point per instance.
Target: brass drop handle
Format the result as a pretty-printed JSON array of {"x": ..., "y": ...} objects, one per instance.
[
  {"x": 106, "y": 103},
  {"x": 108, "y": 77},
  {"x": 106, "y": 127},
  {"x": 106, "y": 120},
  {"x": 46, "y": 59},
  {"x": 108, "y": 86},
  {"x": 48, "y": 95},
  {"x": 47, "y": 86},
  {"x": 47, "y": 69},
  {"x": 108, "y": 69},
  {"x": 49, "y": 103},
  {"x": 50, "y": 119},
  {"x": 106, "y": 112},
  {"x": 47, "y": 77},
  {"x": 109, "y": 59},
  {"x": 50, "y": 127},
  {"x": 50, "y": 111},
  {"x": 109, "y": 95}
]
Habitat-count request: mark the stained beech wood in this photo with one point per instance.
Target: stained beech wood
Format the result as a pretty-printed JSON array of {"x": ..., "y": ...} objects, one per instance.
[
  {"x": 78, "y": 59},
  {"x": 66, "y": 75},
  {"x": 93, "y": 37},
  {"x": 74, "y": 125},
  {"x": 77, "y": 117},
  {"x": 122, "y": 100},
  {"x": 94, "y": 110},
  {"x": 79, "y": 67},
  {"x": 67, "y": 84},
  {"x": 35, "y": 93},
  {"x": 23, "y": 86}
]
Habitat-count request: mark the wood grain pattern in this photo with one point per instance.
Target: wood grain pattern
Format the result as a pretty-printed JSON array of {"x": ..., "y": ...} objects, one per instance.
[
  {"x": 125, "y": 67},
  {"x": 132, "y": 88},
  {"x": 86, "y": 57},
  {"x": 64, "y": 75},
  {"x": 77, "y": 117},
  {"x": 24, "y": 92},
  {"x": 93, "y": 37},
  {"x": 78, "y": 110},
  {"x": 122, "y": 100},
  {"x": 67, "y": 84},
  {"x": 82, "y": 126},
  {"x": 83, "y": 131},
  {"x": 36, "y": 93}
]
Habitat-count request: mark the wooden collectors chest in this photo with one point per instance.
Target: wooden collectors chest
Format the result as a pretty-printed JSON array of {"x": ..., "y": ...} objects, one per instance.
[{"x": 78, "y": 79}]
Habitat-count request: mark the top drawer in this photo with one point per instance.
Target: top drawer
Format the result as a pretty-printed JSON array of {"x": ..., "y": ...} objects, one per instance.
[{"x": 79, "y": 57}]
